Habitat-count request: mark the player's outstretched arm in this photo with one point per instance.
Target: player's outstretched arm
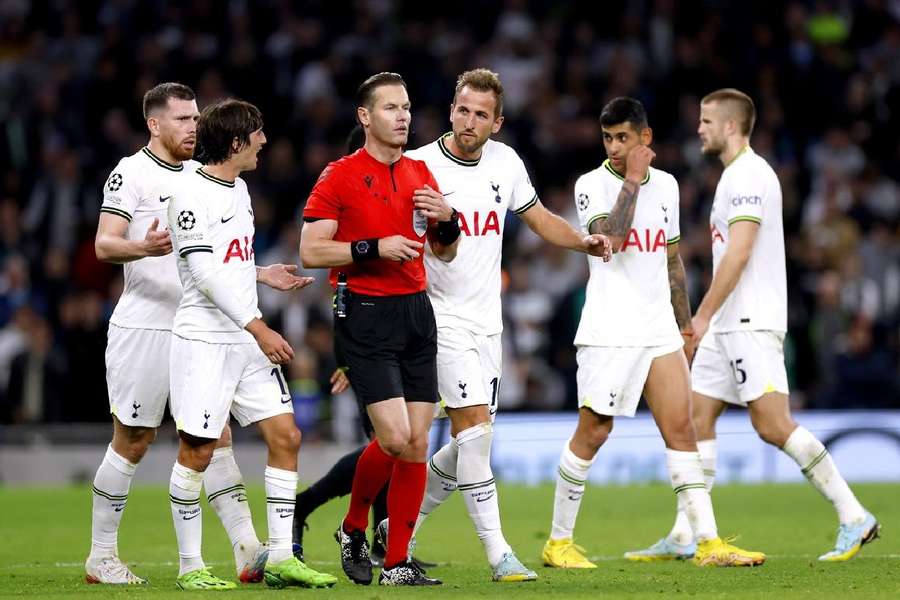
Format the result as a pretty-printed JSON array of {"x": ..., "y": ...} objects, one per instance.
[
  {"x": 681, "y": 304},
  {"x": 111, "y": 245},
  {"x": 556, "y": 230},
  {"x": 741, "y": 237},
  {"x": 282, "y": 277}
]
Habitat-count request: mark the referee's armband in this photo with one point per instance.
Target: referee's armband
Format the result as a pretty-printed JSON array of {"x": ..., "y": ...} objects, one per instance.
[
  {"x": 362, "y": 250},
  {"x": 448, "y": 231}
]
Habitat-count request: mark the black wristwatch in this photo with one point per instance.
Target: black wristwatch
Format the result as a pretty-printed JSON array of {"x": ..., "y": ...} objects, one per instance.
[{"x": 454, "y": 216}]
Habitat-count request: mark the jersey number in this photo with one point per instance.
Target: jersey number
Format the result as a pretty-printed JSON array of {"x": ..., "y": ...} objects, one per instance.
[
  {"x": 740, "y": 375},
  {"x": 495, "y": 392},
  {"x": 276, "y": 373}
]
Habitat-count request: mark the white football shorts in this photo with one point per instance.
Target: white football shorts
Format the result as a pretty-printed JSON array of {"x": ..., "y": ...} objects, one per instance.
[
  {"x": 209, "y": 381},
  {"x": 469, "y": 367},
  {"x": 740, "y": 366},
  {"x": 137, "y": 374},
  {"x": 611, "y": 378}
]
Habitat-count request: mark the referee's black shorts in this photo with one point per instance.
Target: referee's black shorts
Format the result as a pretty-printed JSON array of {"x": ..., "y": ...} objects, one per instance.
[{"x": 389, "y": 344}]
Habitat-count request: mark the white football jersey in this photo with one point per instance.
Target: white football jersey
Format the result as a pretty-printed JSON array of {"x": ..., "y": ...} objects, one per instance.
[
  {"x": 628, "y": 300},
  {"x": 212, "y": 215},
  {"x": 749, "y": 191},
  {"x": 465, "y": 292},
  {"x": 139, "y": 189}
]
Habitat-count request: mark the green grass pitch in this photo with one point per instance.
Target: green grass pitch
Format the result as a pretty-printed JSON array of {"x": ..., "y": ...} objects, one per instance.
[{"x": 44, "y": 538}]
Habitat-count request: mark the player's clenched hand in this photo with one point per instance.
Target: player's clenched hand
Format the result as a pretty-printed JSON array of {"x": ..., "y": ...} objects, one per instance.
[
  {"x": 638, "y": 162},
  {"x": 157, "y": 243},
  {"x": 598, "y": 244},
  {"x": 398, "y": 248},
  {"x": 339, "y": 381},
  {"x": 270, "y": 342},
  {"x": 282, "y": 277},
  {"x": 432, "y": 204}
]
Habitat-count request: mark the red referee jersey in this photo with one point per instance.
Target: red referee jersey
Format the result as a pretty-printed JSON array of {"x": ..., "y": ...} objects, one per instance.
[{"x": 370, "y": 199}]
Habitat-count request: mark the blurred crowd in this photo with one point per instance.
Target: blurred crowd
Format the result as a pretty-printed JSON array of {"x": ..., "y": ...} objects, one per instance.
[{"x": 825, "y": 76}]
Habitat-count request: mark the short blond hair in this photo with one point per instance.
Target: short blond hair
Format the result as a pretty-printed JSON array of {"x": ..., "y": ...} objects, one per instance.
[
  {"x": 481, "y": 80},
  {"x": 739, "y": 104}
]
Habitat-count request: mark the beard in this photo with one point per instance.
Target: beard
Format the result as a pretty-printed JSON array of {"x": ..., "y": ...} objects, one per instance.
[
  {"x": 713, "y": 149},
  {"x": 178, "y": 151},
  {"x": 469, "y": 147}
]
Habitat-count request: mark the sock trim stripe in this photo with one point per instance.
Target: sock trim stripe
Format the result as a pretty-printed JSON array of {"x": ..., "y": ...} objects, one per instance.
[
  {"x": 183, "y": 502},
  {"x": 271, "y": 500},
  {"x": 234, "y": 488},
  {"x": 571, "y": 479},
  {"x": 689, "y": 486},
  {"x": 814, "y": 462},
  {"x": 439, "y": 472},
  {"x": 472, "y": 486},
  {"x": 108, "y": 496}
]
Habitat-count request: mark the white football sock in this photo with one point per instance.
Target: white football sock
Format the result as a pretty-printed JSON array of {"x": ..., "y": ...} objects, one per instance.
[
  {"x": 281, "y": 493},
  {"x": 570, "y": 481},
  {"x": 686, "y": 475},
  {"x": 681, "y": 532},
  {"x": 227, "y": 495},
  {"x": 184, "y": 498},
  {"x": 816, "y": 464},
  {"x": 441, "y": 480},
  {"x": 476, "y": 484},
  {"x": 110, "y": 491}
]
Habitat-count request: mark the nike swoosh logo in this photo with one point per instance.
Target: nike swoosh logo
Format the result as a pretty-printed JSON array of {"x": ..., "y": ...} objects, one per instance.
[
  {"x": 224, "y": 220},
  {"x": 484, "y": 499},
  {"x": 119, "y": 509},
  {"x": 161, "y": 199},
  {"x": 193, "y": 516},
  {"x": 291, "y": 516},
  {"x": 286, "y": 401}
]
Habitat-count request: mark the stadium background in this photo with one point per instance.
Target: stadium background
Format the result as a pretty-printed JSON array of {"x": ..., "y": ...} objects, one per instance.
[{"x": 825, "y": 76}]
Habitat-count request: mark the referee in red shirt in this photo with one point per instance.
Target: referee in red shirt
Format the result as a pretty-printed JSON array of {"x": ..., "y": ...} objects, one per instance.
[{"x": 368, "y": 218}]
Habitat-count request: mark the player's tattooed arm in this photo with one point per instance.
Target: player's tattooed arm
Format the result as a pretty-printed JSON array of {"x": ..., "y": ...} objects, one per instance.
[
  {"x": 616, "y": 225},
  {"x": 681, "y": 304}
]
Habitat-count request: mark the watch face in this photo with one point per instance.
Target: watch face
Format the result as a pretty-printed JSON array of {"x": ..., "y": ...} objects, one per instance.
[{"x": 362, "y": 246}]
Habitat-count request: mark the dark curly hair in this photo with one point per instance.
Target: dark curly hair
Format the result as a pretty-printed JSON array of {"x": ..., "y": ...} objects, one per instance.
[{"x": 221, "y": 124}]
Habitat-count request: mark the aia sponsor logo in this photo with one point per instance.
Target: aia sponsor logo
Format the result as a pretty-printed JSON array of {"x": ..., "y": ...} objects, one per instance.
[
  {"x": 473, "y": 225},
  {"x": 645, "y": 241},
  {"x": 240, "y": 250}
]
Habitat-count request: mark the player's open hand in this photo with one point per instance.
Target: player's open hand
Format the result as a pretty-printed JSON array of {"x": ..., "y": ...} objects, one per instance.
[
  {"x": 639, "y": 159},
  {"x": 270, "y": 342},
  {"x": 399, "y": 248},
  {"x": 598, "y": 244},
  {"x": 283, "y": 277},
  {"x": 339, "y": 381},
  {"x": 432, "y": 204},
  {"x": 157, "y": 243}
]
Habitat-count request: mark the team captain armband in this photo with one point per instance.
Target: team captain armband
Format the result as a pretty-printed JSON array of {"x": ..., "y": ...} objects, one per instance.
[
  {"x": 448, "y": 231},
  {"x": 362, "y": 250}
]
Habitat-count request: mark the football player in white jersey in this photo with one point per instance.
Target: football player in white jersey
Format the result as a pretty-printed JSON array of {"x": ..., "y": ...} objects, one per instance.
[
  {"x": 136, "y": 196},
  {"x": 741, "y": 323},
  {"x": 628, "y": 338},
  {"x": 224, "y": 359},
  {"x": 482, "y": 179}
]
